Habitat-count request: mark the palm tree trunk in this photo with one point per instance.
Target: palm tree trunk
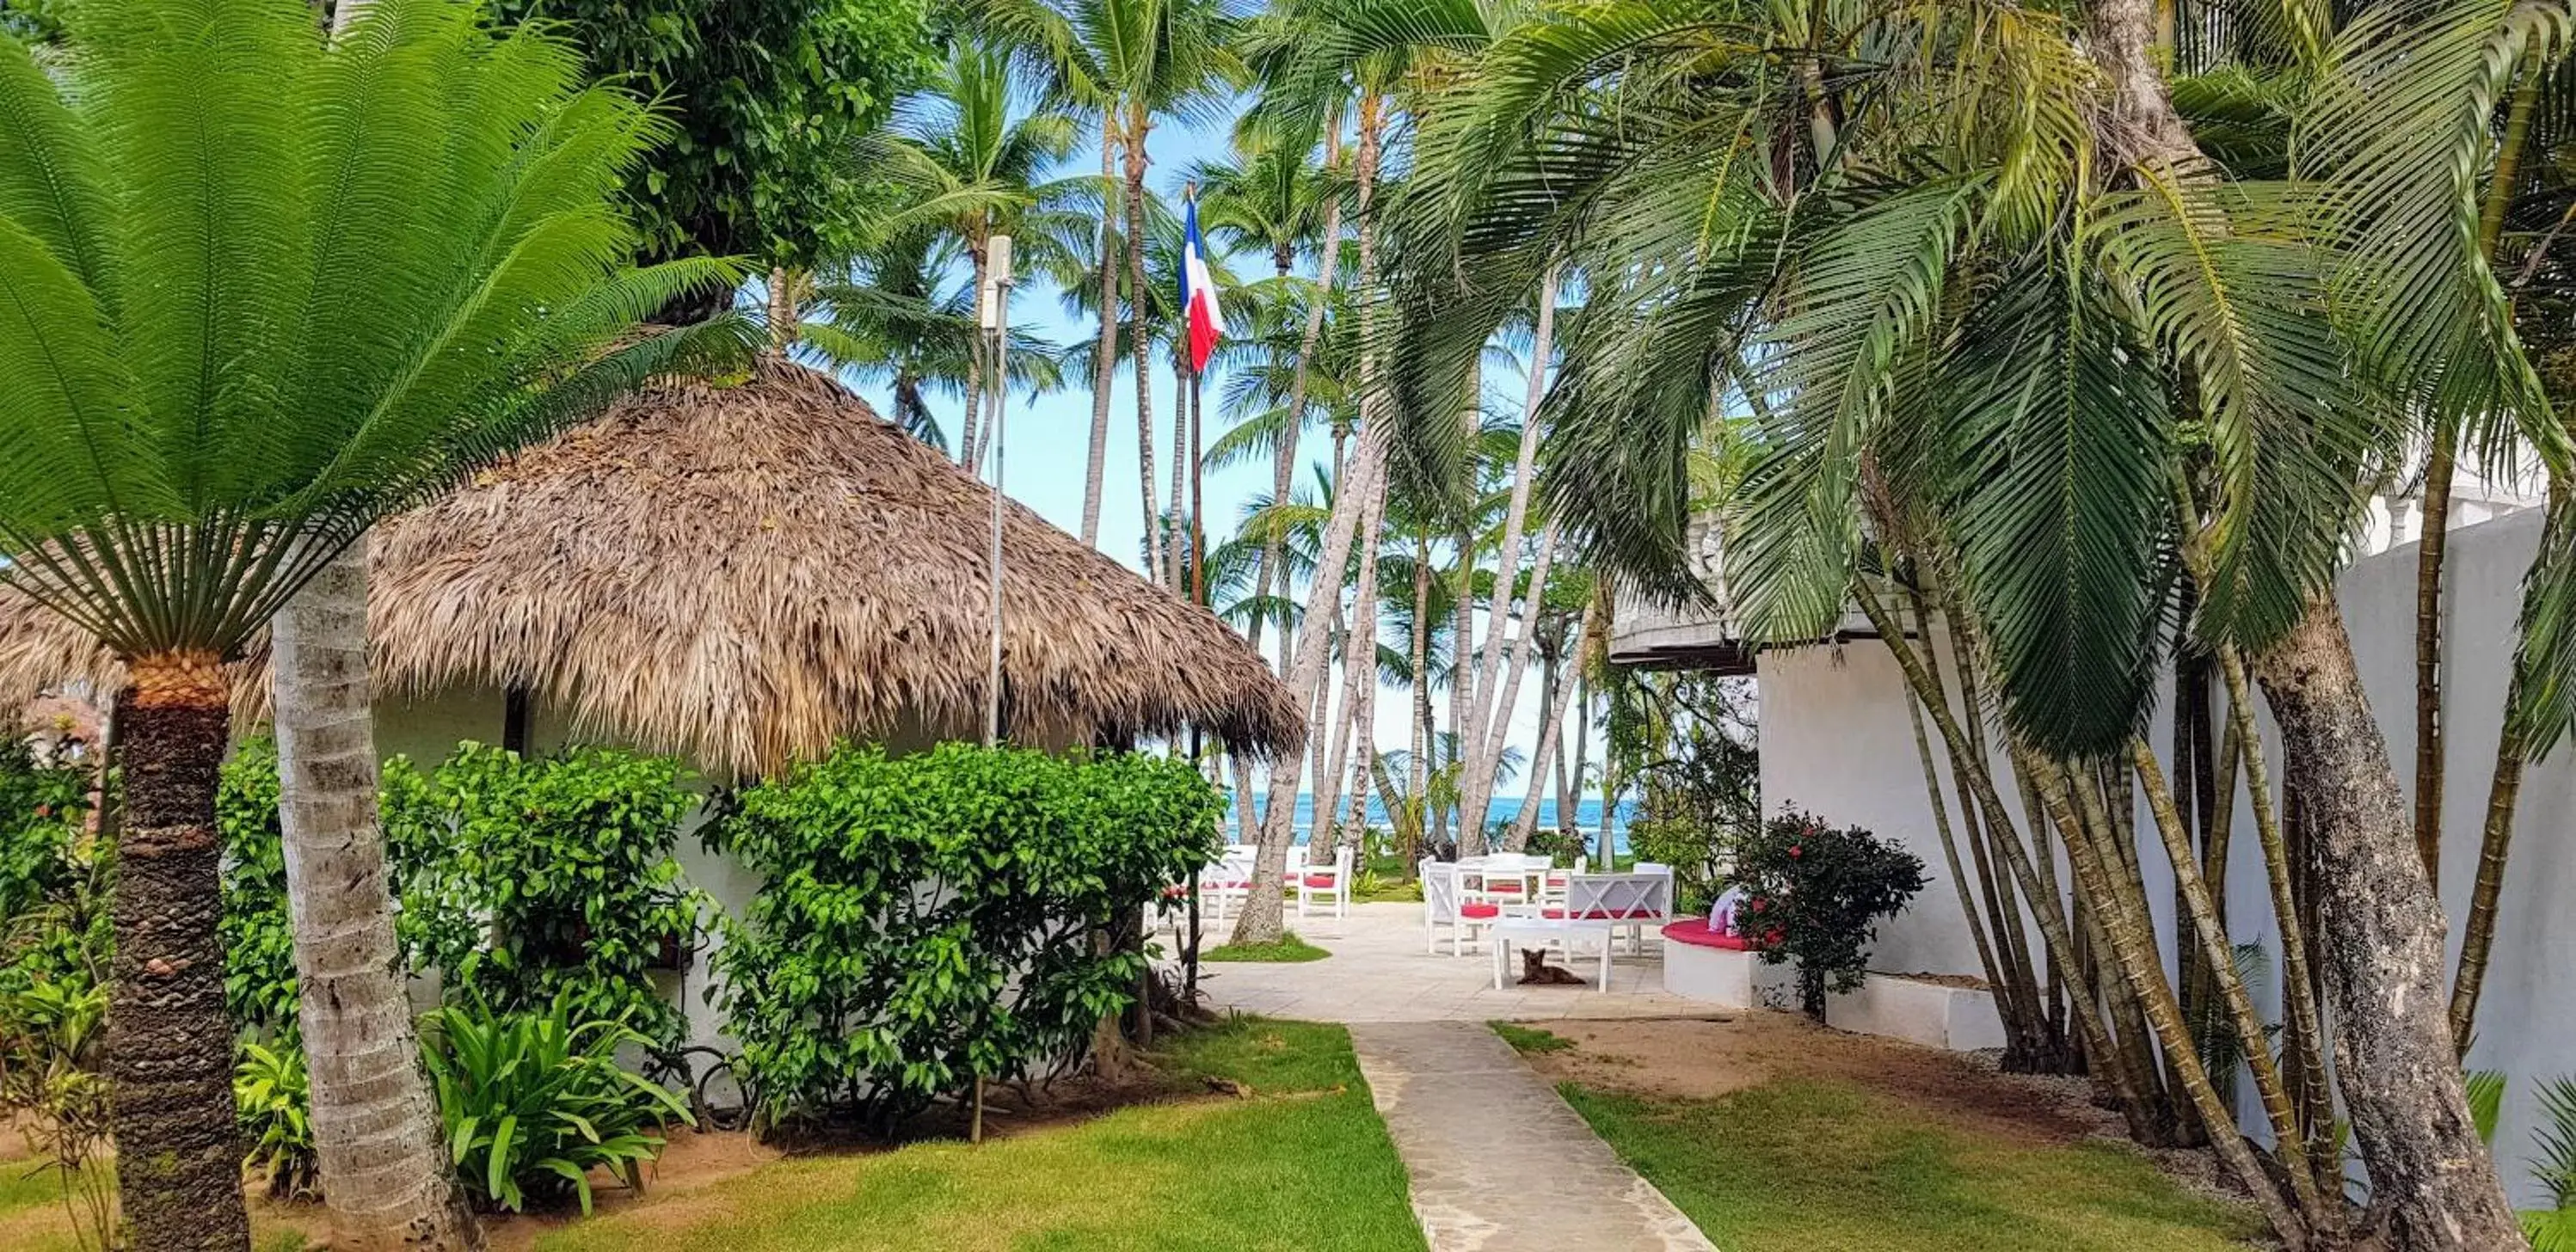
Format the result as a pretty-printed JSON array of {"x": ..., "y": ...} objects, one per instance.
[
  {"x": 169, "y": 1045},
  {"x": 1176, "y": 542},
  {"x": 1283, "y": 462},
  {"x": 969, "y": 452},
  {"x": 1260, "y": 923},
  {"x": 1359, "y": 656},
  {"x": 1417, "y": 766},
  {"x": 1487, "y": 760},
  {"x": 2504, "y": 788},
  {"x": 2432, "y": 1182},
  {"x": 1551, "y": 719},
  {"x": 1104, "y": 354},
  {"x": 1138, "y": 300},
  {"x": 1488, "y": 722},
  {"x": 385, "y": 1175}
]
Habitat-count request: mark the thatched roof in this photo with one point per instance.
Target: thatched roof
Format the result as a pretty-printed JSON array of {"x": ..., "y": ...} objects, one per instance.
[{"x": 740, "y": 574}]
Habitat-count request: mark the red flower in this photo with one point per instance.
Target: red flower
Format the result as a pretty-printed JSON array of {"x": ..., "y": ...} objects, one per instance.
[
  {"x": 1772, "y": 937},
  {"x": 44, "y": 810},
  {"x": 1794, "y": 850},
  {"x": 1760, "y": 904}
]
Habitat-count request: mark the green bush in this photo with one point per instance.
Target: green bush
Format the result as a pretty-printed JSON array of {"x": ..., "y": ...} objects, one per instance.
[
  {"x": 273, "y": 1100},
  {"x": 42, "y": 806},
  {"x": 934, "y": 918},
  {"x": 259, "y": 939},
  {"x": 530, "y": 880},
  {"x": 520, "y": 879},
  {"x": 1814, "y": 894},
  {"x": 531, "y": 1102}
]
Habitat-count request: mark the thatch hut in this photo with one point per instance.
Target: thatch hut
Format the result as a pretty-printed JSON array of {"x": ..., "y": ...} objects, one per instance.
[{"x": 740, "y": 573}]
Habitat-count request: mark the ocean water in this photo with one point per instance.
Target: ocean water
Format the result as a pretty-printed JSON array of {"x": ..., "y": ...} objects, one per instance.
[{"x": 1587, "y": 813}]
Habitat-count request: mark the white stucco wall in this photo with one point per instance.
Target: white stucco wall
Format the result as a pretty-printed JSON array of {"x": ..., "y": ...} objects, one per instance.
[{"x": 1835, "y": 740}]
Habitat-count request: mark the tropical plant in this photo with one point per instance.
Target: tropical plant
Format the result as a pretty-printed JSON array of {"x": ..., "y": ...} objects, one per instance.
[
  {"x": 1813, "y": 894},
  {"x": 275, "y": 1099},
  {"x": 243, "y": 263},
  {"x": 42, "y": 806},
  {"x": 2047, "y": 363},
  {"x": 935, "y": 921},
  {"x": 54, "y": 1087},
  {"x": 533, "y": 1101}
]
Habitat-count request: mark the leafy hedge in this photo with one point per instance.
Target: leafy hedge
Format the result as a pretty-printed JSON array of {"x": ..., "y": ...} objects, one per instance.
[
  {"x": 1814, "y": 894},
  {"x": 520, "y": 880},
  {"x": 932, "y": 918}
]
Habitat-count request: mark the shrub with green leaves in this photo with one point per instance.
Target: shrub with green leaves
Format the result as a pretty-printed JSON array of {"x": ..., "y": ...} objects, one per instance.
[
  {"x": 549, "y": 877},
  {"x": 934, "y": 918},
  {"x": 274, "y": 1099},
  {"x": 1814, "y": 894},
  {"x": 532, "y": 1102},
  {"x": 42, "y": 805},
  {"x": 259, "y": 939}
]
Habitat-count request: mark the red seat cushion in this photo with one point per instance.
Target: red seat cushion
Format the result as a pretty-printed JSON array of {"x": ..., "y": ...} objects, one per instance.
[
  {"x": 1695, "y": 932},
  {"x": 1480, "y": 910},
  {"x": 1319, "y": 880},
  {"x": 1605, "y": 915},
  {"x": 1511, "y": 888}
]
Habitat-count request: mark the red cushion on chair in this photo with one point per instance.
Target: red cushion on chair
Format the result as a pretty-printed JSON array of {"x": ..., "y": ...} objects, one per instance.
[
  {"x": 1480, "y": 910},
  {"x": 1319, "y": 880},
  {"x": 1175, "y": 891},
  {"x": 1506, "y": 887}
]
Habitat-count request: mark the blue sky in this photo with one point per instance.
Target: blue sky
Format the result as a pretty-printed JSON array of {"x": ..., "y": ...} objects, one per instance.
[{"x": 1048, "y": 441}]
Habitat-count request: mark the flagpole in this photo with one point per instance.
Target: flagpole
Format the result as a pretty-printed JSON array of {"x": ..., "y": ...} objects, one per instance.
[{"x": 995, "y": 302}]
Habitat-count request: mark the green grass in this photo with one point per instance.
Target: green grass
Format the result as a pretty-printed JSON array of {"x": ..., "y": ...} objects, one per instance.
[
  {"x": 1304, "y": 1163},
  {"x": 1288, "y": 951},
  {"x": 32, "y": 1217},
  {"x": 1817, "y": 1166},
  {"x": 1531, "y": 1040}
]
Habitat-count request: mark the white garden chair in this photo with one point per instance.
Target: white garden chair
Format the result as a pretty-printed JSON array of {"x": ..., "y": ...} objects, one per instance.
[
  {"x": 1321, "y": 885},
  {"x": 1445, "y": 903},
  {"x": 1629, "y": 902}
]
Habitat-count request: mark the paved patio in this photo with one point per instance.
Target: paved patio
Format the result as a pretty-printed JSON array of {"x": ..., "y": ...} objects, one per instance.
[{"x": 1378, "y": 973}]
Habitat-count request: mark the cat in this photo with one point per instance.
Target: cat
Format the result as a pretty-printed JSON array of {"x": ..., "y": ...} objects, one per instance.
[{"x": 1535, "y": 969}]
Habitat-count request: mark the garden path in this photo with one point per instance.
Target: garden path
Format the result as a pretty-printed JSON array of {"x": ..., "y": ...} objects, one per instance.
[{"x": 1497, "y": 1161}]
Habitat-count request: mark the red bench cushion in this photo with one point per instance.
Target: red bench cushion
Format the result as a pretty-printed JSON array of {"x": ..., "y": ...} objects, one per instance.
[
  {"x": 1319, "y": 880},
  {"x": 1480, "y": 910},
  {"x": 1695, "y": 931}
]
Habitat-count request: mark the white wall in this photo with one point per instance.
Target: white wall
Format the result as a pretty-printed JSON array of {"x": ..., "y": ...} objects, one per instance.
[{"x": 1835, "y": 740}]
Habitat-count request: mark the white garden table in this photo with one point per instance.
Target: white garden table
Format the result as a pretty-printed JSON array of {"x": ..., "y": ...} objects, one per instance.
[{"x": 1535, "y": 932}]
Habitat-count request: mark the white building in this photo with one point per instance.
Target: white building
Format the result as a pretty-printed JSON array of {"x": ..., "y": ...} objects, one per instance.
[{"x": 1835, "y": 740}]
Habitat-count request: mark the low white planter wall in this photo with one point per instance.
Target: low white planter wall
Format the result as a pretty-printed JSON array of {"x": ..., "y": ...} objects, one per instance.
[{"x": 1957, "y": 1019}]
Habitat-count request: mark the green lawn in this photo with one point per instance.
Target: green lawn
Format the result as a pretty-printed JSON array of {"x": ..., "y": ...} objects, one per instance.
[
  {"x": 1820, "y": 1166},
  {"x": 32, "y": 1217},
  {"x": 1531, "y": 1040},
  {"x": 1288, "y": 951},
  {"x": 1303, "y": 1163}
]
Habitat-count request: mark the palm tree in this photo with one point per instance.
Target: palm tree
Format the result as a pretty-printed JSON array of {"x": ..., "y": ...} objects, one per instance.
[
  {"x": 1129, "y": 63},
  {"x": 898, "y": 315},
  {"x": 1964, "y": 346},
  {"x": 242, "y": 267},
  {"x": 974, "y": 140}
]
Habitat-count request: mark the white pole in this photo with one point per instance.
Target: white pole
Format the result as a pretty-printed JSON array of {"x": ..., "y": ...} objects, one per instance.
[{"x": 994, "y": 304}]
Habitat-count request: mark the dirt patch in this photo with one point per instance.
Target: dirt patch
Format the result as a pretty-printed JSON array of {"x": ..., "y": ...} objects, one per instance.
[{"x": 1701, "y": 1059}]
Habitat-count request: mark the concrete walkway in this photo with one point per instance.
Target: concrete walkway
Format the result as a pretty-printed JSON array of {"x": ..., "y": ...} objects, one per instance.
[{"x": 1498, "y": 1162}]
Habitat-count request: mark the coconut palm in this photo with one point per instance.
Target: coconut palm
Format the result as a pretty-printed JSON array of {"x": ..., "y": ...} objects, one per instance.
[
  {"x": 899, "y": 315},
  {"x": 2022, "y": 351},
  {"x": 1130, "y": 63},
  {"x": 265, "y": 291},
  {"x": 975, "y": 140}
]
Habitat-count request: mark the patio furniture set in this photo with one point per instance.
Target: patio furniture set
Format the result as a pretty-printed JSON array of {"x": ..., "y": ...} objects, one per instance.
[
  {"x": 1319, "y": 890},
  {"x": 1506, "y": 898}
]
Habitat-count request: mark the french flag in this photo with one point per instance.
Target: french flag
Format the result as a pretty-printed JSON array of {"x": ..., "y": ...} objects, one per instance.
[{"x": 1198, "y": 292}]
